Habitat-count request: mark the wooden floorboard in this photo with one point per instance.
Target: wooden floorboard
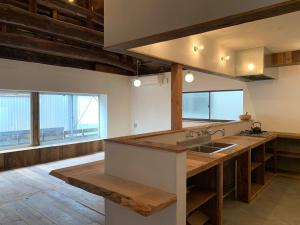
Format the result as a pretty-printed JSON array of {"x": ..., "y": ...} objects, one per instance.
[{"x": 30, "y": 196}]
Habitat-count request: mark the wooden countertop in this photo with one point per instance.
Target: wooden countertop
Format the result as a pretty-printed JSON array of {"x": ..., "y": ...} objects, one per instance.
[
  {"x": 288, "y": 135},
  {"x": 140, "y": 198},
  {"x": 143, "y": 199},
  {"x": 198, "y": 162}
]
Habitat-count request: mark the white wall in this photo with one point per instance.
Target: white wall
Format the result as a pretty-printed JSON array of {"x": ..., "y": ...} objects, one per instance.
[
  {"x": 274, "y": 102},
  {"x": 151, "y": 107},
  {"x": 17, "y": 75},
  {"x": 130, "y": 20},
  {"x": 277, "y": 103}
]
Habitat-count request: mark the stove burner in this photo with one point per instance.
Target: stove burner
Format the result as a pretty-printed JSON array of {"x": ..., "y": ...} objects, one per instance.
[{"x": 251, "y": 134}]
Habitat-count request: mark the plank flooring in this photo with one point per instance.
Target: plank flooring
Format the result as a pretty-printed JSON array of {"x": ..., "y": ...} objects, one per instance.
[{"x": 30, "y": 196}]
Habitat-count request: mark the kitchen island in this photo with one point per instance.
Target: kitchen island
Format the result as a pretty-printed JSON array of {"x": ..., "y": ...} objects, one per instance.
[{"x": 153, "y": 165}]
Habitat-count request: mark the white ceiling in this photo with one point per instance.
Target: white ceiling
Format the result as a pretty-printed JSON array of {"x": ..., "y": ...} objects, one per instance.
[{"x": 278, "y": 34}]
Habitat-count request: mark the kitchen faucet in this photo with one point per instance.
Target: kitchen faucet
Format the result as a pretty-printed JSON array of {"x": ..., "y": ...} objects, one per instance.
[{"x": 208, "y": 132}]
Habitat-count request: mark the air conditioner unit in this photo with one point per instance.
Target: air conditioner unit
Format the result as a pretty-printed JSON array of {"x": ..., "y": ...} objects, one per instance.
[{"x": 156, "y": 80}]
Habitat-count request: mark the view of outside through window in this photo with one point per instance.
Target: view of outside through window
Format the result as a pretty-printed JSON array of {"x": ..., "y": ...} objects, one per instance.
[
  {"x": 196, "y": 105},
  {"x": 65, "y": 117},
  {"x": 213, "y": 105},
  {"x": 15, "y": 119}
]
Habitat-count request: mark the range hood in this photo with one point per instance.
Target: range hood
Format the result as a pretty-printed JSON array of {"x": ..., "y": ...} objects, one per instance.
[{"x": 253, "y": 64}]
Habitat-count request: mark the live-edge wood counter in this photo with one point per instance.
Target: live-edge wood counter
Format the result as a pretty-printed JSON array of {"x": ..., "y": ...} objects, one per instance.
[{"x": 140, "y": 198}]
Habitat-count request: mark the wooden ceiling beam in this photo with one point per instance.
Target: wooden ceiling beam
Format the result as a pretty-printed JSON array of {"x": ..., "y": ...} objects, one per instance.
[
  {"x": 283, "y": 59},
  {"x": 58, "y": 49},
  {"x": 14, "y": 16},
  {"x": 72, "y": 9},
  {"x": 35, "y": 57}
]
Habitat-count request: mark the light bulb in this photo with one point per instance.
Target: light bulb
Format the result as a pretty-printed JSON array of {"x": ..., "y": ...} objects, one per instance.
[
  {"x": 196, "y": 48},
  {"x": 137, "y": 82},
  {"x": 251, "y": 66},
  {"x": 71, "y": 1},
  {"x": 227, "y": 57},
  {"x": 189, "y": 77}
]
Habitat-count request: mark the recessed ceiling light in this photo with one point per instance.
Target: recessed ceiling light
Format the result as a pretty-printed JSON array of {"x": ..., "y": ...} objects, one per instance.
[
  {"x": 71, "y": 1},
  {"x": 251, "y": 66},
  {"x": 189, "y": 77}
]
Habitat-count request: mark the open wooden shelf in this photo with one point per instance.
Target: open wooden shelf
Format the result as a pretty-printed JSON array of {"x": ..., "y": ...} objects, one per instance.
[
  {"x": 197, "y": 198},
  {"x": 197, "y": 217},
  {"x": 285, "y": 154},
  {"x": 255, "y": 165},
  {"x": 268, "y": 156}
]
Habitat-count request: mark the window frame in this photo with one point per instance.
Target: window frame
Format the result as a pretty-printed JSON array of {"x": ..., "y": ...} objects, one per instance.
[
  {"x": 209, "y": 104},
  {"x": 30, "y": 144},
  {"x": 71, "y": 95}
]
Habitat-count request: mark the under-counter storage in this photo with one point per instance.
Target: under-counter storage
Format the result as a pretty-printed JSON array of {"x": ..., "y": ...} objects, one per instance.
[
  {"x": 205, "y": 197},
  {"x": 288, "y": 156}
]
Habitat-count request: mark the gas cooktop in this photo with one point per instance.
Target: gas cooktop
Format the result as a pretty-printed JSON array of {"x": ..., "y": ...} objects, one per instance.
[{"x": 250, "y": 133}]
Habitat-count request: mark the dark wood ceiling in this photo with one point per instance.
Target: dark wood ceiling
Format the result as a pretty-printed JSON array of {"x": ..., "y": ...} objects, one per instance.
[{"x": 59, "y": 32}]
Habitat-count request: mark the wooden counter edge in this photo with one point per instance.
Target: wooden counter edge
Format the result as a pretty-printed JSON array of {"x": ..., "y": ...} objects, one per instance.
[
  {"x": 76, "y": 176},
  {"x": 149, "y": 144}
]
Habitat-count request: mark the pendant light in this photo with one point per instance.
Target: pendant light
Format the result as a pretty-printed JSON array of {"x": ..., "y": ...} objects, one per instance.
[
  {"x": 189, "y": 77},
  {"x": 137, "y": 82}
]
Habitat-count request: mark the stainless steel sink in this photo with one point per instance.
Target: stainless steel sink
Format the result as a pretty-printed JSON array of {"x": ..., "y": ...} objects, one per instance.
[{"x": 212, "y": 147}]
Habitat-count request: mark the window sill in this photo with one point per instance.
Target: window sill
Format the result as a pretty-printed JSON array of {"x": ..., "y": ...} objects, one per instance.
[{"x": 27, "y": 148}]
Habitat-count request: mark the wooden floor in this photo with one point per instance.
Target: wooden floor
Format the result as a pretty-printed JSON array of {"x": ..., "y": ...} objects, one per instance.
[{"x": 30, "y": 196}]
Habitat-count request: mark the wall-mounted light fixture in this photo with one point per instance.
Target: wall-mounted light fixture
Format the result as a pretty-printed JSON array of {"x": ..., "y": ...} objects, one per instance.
[
  {"x": 189, "y": 77},
  {"x": 225, "y": 58},
  {"x": 196, "y": 48},
  {"x": 251, "y": 66}
]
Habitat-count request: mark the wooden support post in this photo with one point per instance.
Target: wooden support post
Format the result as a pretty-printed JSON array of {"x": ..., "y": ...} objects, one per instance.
[
  {"x": 244, "y": 176},
  {"x": 176, "y": 97},
  {"x": 33, "y": 6},
  {"x": 35, "y": 118}
]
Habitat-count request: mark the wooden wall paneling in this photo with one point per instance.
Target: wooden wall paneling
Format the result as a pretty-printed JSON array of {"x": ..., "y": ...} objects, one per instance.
[
  {"x": 283, "y": 59},
  {"x": 62, "y": 50},
  {"x": 33, "y": 6},
  {"x": 176, "y": 96},
  {"x": 72, "y": 10},
  {"x": 34, "y": 22},
  {"x": 1, "y": 162},
  {"x": 46, "y": 154},
  {"x": 50, "y": 155},
  {"x": 35, "y": 118},
  {"x": 3, "y": 27}
]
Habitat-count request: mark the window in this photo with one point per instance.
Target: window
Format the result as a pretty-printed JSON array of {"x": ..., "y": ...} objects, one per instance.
[
  {"x": 15, "y": 119},
  {"x": 213, "y": 105},
  {"x": 65, "y": 117}
]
